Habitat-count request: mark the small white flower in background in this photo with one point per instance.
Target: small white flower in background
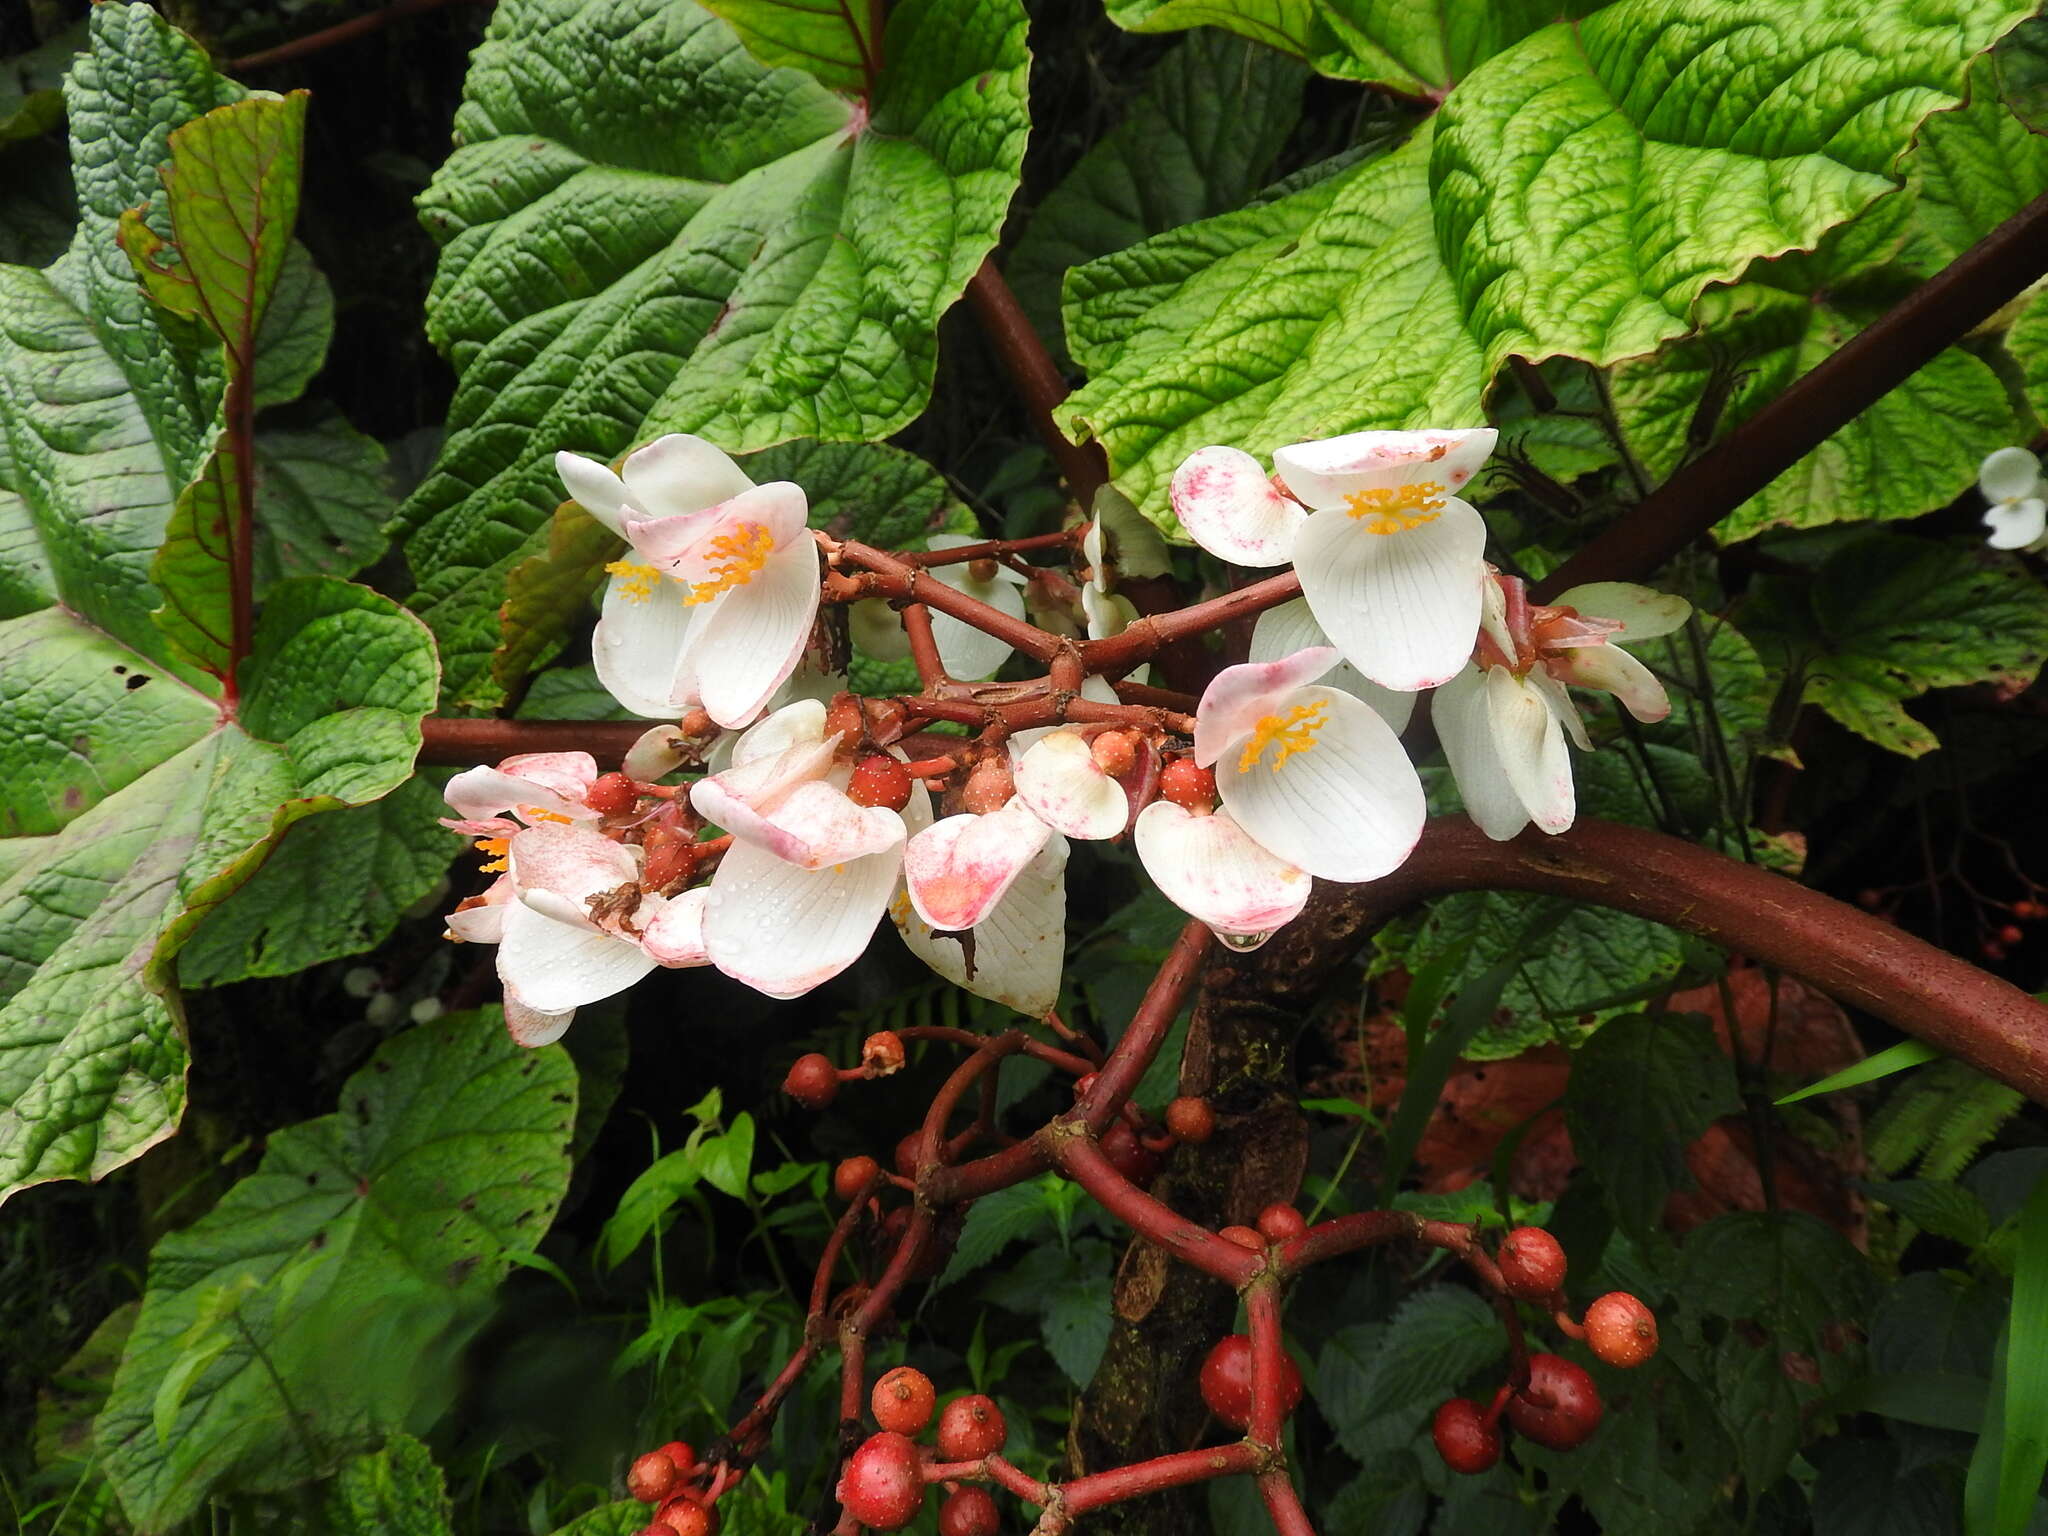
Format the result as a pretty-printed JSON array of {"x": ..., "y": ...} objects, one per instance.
[
  {"x": 2010, "y": 479},
  {"x": 809, "y": 873},
  {"x": 1391, "y": 560},
  {"x": 1120, "y": 544},
  {"x": 969, "y": 654},
  {"x": 1310, "y": 773},
  {"x": 1504, "y": 719}
]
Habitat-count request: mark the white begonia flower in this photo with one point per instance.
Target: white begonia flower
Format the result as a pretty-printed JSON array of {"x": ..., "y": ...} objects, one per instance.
[
  {"x": 1503, "y": 720},
  {"x": 968, "y": 653},
  {"x": 2010, "y": 480},
  {"x": 1228, "y": 504},
  {"x": 524, "y": 789},
  {"x": 1312, "y": 774},
  {"x": 1208, "y": 866},
  {"x": 1059, "y": 780},
  {"x": 638, "y": 647},
  {"x": 797, "y": 896},
  {"x": 957, "y": 869},
  {"x": 1292, "y": 627}
]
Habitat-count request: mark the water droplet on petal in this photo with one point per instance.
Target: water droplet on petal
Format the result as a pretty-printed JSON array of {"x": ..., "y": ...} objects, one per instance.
[{"x": 1244, "y": 943}]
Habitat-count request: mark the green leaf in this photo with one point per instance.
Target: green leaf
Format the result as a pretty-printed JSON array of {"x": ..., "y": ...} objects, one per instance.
[
  {"x": 1972, "y": 170},
  {"x": 1787, "y": 1271},
  {"x": 1079, "y": 1314},
  {"x": 647, "y": 1199},
  {"x": 321, "y": 502},
  {"x": 1897, "y": 1058},
  {"x": 1937, "y": 1399},
  {"x": 360, "y": 1255},
  {"x": 1887, "y": 617},
  {"x": 1642, "y": 1090},
  {"x": 621, "y": 1519},
  {"x": 831, "y": 40},
  {"x": 607, "y": 276},
  {"x": 396, "y": 1491},
  {"x": 1946, "y": 1210},
  {"x": 94, "y": 908},
  {"x": 1862, "y": 1490},
  {"x": 727, "y": 1161},
  {"x": 2023, "y": 1413},
  {"x": 32, "y": 86},
  {"x": 997, "y": 1220},
  {"x": 1197, "y": 140},
  {"x": 1377, "y": 1383}
]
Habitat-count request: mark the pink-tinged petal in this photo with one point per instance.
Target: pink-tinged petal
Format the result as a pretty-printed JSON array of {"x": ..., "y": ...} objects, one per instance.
[
  {"x": 2009, "y": 474},
  {"x": 1559, "y": 698},
  {"x": 658, "y": 752},
  {"x": 752, "y": 788},
  {"x": 594, "y": 488},
  {"x": 570, "y": 862},
  {"x": 736, "y": 534},
  {"x": 959, "y": 868},
  {"x": 1464, "y": 725},
  {"x": 1210, "y": 869},
  {"x": 1238, "y": 697},
  {"x": 485, "y": 922},
  {"x": 1282, "y": 631},
  {"x": 783, "y": 930},
  {"x": 1017, "y": 949},
  {"x": 752, "y": 637},
  {"x": 482, "y": 826},
  {"x": 1529, "y": 737},
  {"x": 640, "y": 646},
  {"x": 482, "y": 795},
  {"x": 1613, "y": 670},
  {"x": 555, "y": 967},
  {"x": 568, "y": 774},
  {"x": 799, "y": 724},
  {"x": 1060, "y": 782},
  {"x": 1325, "y": 786},
  {"x": 1644, "y": 613},
  {"x": 815, "y": 825},
  {"x": 1326, "y": 472},
  {"x": 534, "y": 1027},
  {"x": 2017, "y": 525},
  {"x": 1228, "y": 505},
  {"x": 666, "y": 542},
  {"x": 681, "y": 473},
  {"x": 1402, "y": 607},
  {"x": 672, "y": 928}
]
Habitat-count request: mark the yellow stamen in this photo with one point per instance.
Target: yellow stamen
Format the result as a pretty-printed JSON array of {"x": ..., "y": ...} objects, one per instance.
[
  {"x": 1398, "y": 509},
  {"x": 640, "y": 580},
  {"x": 497, "y": 848},
  {"x": 1292, "y": 732},
  {"x": 738, "y": 558},
  {"x": 535, "y": 813}
]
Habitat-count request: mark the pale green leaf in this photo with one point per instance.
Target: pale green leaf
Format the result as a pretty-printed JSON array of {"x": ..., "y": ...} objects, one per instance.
[{"x": 321, "y": 502}]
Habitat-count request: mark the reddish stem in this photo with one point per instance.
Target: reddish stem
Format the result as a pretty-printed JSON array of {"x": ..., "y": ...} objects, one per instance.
[
  {"x": 1345, "y": 1234},
  {"x": 992, "y": 549},
  {"x": 924, "y": 646},
  {"x": 1133, "y": 1053},
  {"x": 1154, "y": 1220},
  {"x": 1269, "y": 1363},
  {"x": 1147, "y": 636},
  {"x": 1156, "y": 1475},
  {"x": 887, "y": 576},
  {"x": 1283, "y": 1504},
  {"x": 341, "y": 32},
  {"x": 461, "y": 743},
  {"x": 1036, "y": 378}
]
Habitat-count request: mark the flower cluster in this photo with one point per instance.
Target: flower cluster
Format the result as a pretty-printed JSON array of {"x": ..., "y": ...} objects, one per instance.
[{"x": 813, "y": 820}]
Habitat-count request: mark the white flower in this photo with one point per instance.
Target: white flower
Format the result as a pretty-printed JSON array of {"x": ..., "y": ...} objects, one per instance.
[
  {"x": 809, "y": 873},
  {"x": 1206, "y": 864},
  {"x": 1311, "y": 774},
  {"x": 956, "y": 870},
  {"x": 1291, "y": 627},
  {"x": 1060, "y": 782},
  {"x": 2010, "y": 479},
  {"x": 969, "y": 654},
  {"x": 1504, "y": 719},
  {"x": 527, "y": 788},
  {"x": 1390, "y": 559}
]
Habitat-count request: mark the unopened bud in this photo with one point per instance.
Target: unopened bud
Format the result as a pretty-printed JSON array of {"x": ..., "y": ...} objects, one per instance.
[
  {"x": 1116, "y": 752},
  {"x": 989, "y": 787}
]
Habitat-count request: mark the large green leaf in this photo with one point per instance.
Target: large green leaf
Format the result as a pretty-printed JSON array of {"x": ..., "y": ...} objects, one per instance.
[
  {"x": 1573, "y": 196},
  {"x": 95, "y": 902},
  {"x": 395, "y": 1491},
  {"x": 723, "y": 249},
  {"x": 350, "y": 1267},
  {"x": 833, "y": 41}
]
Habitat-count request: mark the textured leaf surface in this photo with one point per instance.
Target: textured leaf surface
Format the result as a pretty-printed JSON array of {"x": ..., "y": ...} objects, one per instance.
[
  {"x": 321, "y": 502},
  {"x": 351, "y": 1264},
  {"x": 830, "y": 40},
  {"x": 1376, "y": 1382},
  {"x": 396, "y": 1491},
  {"x": 91, "y": 1061},
  {"x": 608, "y": 275}
]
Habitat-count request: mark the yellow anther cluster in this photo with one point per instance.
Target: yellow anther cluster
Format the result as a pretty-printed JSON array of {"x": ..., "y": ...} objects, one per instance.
[
  {"x": 737, "y": 557},
  {"x": 1398, "y": 508},
  {"x": 1293, "y": 732},
  {"x": 535, "y": 813},
  {"x": 640, "y": 580},
  {"x": 496, "y": 848}
]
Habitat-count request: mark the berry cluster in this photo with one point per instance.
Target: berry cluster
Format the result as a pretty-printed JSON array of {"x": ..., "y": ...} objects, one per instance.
[{"x": 886, "y": 1479}]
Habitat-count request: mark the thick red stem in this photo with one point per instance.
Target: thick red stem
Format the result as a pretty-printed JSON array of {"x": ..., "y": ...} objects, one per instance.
[
  {"x": 1035, "y": 377},
  {"x": 1162, "y": 1472},
  {"x": 1147, "y": 636}
]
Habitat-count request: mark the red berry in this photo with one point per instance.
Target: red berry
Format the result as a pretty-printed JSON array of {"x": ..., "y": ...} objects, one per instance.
[
  {"x": 670, "y": 855},
  {"x": 854, "y": 1175},
  {"x": 879, "y": 781},
  {"x": 1115, "y": 752},
  {"x": 2026, "y": 911},
  {"x": 1531, "y": 1263},
  {"x": 1464, "y": 1439},
  {"x": 968, "y": 1512},
  {"x": 883, "y": 1485},
  {"x": 1621, "y": 1330},
  {"x": 652, "y": 1477},
  {"x": 1281, "y": 1222},
  {"x": 697, "y": 722},
  {"x": 1227, "y": 1382},
  {"x": 902, "y": 1400},
  {"x": 844, "y": 719},
  {"x": 1129, "y": 1156},
  {"x": 813, "y": 1081},
  {"x": 1244, "y": 1237},
  {"x": 882, "y": 1053},
  {"x": 1560, "y": 1408},
  {"x": 1189, "y": 787},
  {"x": 909, "y": 1152},
  {"x": 684, "y": 1516},
  {"x": 2011, "y": 934},
  {"x": 679, "y": 1452},
  {"x": 988, "y": 788},
  {"x": 971, "y": 1428},
  {"x": 1191, "y": 1120},
  {"x": 611, "y": 794}
]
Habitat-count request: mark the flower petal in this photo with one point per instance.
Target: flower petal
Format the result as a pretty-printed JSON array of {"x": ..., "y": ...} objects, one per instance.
[
  {"x": 968, "y": 653},
  {"x": 572, "y": 862},
  {"x": 959, "y": 868},
  {"x": 815, "y": 826},
  {"x": 1228, "y": 505},
  {"x": 1464, "y": 725},
  {"x": 2019, "y": 525},
  {"x": 1614, "y": 671},
  {"x": 1211, "y": 870},
  {"x": 783, "y": 930},
  {"x": 640, "y": 645},
  {"x": 751, "y": 638},
  {"x": 1326, "y": 472},
  {"x": 1291, "y": 627},
  {"x": 1124, "y": 537},
  {"x": 2008, "y": 474},
  {"x": 1529, "y": 738},
  {"x": 1402, "y": 607},
  {"x": 533, "y": 1027},
  {"x": 800, "y": 723},
  {"x": 1237, "y": 697},
  {"x": 555, "y": 782},
  {"x": 1644, "y": 613},
  {"x": 555, "y": 967},
  {"x": 1344, "y": 804},
  {"x": 1059, "y": 780},
  {"x": 594, "y": 488},
  {"x": 672, "y": 929},
  {"x": 679, "y": 474},
  {"x": 1017, "y": 949},
  {"x": 656, "y": 753}
]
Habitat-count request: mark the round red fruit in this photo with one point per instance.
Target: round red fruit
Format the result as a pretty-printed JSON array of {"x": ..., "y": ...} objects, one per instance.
[
  {"x": 881, "y": 781},
  {"x": 1621, "y": 1330},
  {"x": 1464, "y": 1439},
  {"x": 1116, "y": 752},
  {"x": 1559, "y": 1408},
  {"x": 903, "y": 1400},
  {"x": 813, "y": 1081},
  {"x": 1531, "y": 1263},
  {"x": 970, "y": 1428},
  {"x": 845, "y": 719},
  {"x": 883, "y": 1484},
  {"x": 2011, "y": 934},
  {"x": 882, "y": 1053},
  {"x": 968, "y": 1512},
  {"x": 1281, "y": 1222},
  {"x": 1192, "y": 1120},
  {"x": 1227, "y": 1382},
  {"x": 1129, "y": 1156},
  {"x": 1244, "y": 1237},
  {"x": 1187, "y": 786},
  {"x": 684, "y": 1516},
  {"x": 988, "y": 788},
  {"x": 909, "y": 1151},
  {"x": 611, "y": 794},
  {"x": 651, "y": 1478},
  {"x": 854, "y": 1175},
  {"x": 679, "y": 1452}
]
